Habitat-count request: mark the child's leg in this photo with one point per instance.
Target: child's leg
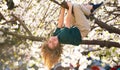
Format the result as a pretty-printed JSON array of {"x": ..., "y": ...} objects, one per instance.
[
  {"x": 81, "y": 21},
  {"x": 86, "y": 9}
]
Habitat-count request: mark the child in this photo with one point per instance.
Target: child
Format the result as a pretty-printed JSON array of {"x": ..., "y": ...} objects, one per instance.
[{"x": 75, "y": 28}]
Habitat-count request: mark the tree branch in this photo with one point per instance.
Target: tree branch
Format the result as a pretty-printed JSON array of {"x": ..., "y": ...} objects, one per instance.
[
  {"x": 111, "y": 29},
  {"x": 1, "y": 16},
  {"x": 63, "y": 4},
  {"x": 33, "y": 38},
  {"x": 101, "y": 43},
  {"x": 87, "y": 42},
  {"x": 23, "y": 24},
  {"x": 8, "y": 22}
]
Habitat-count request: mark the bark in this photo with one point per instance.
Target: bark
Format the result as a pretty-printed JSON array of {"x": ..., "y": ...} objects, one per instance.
[{"x": 101, "y": 43}]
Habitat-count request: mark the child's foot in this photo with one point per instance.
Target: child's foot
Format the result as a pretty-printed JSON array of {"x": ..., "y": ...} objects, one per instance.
[{"x": 95, "y": 6}]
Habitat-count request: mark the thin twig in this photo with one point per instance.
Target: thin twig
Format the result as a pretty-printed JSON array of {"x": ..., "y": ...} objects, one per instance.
[
  {"x": 111, "y": 19},
  {"x": 8, "y": 21},
  {"x": 23, "y": 24},
  {"x": 1, "y": 15}
]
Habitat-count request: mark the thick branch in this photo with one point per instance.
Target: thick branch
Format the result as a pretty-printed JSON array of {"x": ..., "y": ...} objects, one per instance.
[
  {"x": 87, "y": 42},
  {"x": 101, "y": 43},
  {"x": 22, "y": 23}
]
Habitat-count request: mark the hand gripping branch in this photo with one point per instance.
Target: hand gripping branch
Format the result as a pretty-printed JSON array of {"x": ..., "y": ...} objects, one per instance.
[{"x": 63, "y": 4}]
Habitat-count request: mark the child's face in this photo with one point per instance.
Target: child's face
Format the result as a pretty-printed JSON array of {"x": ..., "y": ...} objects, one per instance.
[{"x": 53, "y": 42}]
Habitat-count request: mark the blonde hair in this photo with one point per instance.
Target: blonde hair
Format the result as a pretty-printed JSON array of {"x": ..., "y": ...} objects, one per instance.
[{"x": 51, "y": 56}]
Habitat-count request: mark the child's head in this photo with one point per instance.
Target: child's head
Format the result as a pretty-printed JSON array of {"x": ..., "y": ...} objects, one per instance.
[
  {"x": 51, "y": 52},
  {"x": 53, "y": 42}
]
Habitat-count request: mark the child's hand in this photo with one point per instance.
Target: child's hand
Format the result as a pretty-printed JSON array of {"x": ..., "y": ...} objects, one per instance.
[{"x": 62, "y": 8}]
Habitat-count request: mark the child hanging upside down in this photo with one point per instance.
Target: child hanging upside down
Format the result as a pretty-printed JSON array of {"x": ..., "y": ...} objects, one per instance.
[{"x": 75, "y": 28}]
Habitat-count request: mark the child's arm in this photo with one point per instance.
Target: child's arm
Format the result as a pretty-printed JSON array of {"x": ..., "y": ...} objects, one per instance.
[
  {"x": 61, "y": 18},
  {"x": 68, "y": 16}
]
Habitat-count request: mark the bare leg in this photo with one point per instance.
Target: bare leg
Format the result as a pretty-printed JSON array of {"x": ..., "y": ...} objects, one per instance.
[{"x": 61, "y": 18}]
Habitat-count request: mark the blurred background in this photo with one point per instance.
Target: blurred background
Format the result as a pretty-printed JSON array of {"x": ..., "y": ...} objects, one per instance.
[{"x": 22, "y": 20}]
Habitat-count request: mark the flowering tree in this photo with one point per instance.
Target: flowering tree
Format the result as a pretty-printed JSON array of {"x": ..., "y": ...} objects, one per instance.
[{"x": 23, "y": 22}]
